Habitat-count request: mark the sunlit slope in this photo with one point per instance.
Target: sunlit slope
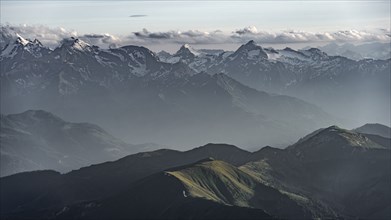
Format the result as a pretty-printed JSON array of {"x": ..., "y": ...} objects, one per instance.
[
  {"x": 224, "y": 183},
  {"x": 344, "y": 171}
]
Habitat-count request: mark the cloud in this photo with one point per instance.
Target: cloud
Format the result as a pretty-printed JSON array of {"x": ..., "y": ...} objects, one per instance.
[
  {"x": 247, "y": 30},
  {"x": 137, "y": 16},
  {"x": 252, "y": 33},
  {"x": 51, "y": 37},
  {"x": 292, "y": 36},
  {"x": 182, "y": 37},
  {"x": 102, "y": 40}
]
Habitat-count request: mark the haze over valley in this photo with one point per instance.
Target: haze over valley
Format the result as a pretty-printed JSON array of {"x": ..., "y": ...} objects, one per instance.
[{"x": 195, "y": 110}]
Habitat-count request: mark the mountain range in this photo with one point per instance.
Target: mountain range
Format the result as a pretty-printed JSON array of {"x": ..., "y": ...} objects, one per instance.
[
  {"x": 132, "y": 94},
  {"x": 381, "y": 51},
  {"x": 330, "y": 173},
  {"x": 334, "y": 83},
  {"x": 39, "y": 140},
  {"x": 72, "y": 158}
]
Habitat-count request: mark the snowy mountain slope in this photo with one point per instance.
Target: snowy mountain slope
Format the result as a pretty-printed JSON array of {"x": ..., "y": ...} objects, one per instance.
[
  {"x": 134, "y": 95},
  {"x": 331, "y": 82}
]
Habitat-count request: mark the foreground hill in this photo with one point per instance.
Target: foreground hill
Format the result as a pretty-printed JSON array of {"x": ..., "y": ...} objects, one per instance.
[
  {"x": 39, "y": 140},
  {"x": 166, "y": 195},
  {"x": 330, "y": 173},
  {"x": 345, "y": 170},
  {"x": 56, "y": 191}
]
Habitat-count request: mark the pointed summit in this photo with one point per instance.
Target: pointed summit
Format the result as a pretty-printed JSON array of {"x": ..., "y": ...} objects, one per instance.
[
  {"x": 21, "y": 40},
  {"x": 251, "y": 42},
  {"x": 75, "y": 44},
  {"x": 251, "y": 51},
  {"x": 186, "y": 46},
  {"x": 375, "y": 129},
  {"x": 316, "y": 54},
  {"x": 23, "y": 47},
  {"x": 186, "y": 52},
  {"x": 332, "y": 142}
]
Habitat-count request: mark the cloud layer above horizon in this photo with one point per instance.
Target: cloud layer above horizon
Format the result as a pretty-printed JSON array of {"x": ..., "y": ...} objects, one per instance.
[{"x": 52, "y": 37}]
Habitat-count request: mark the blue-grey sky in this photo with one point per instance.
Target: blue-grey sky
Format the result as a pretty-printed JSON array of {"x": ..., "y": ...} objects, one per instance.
[{"x": 124, "y": 18}]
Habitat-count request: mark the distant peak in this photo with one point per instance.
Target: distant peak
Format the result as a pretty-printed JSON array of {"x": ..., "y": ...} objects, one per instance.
[
  {"x": 186, "y": 46},
  {"x": 217, "y": 147},
  {"x": 163, "y": 52},
  {"x": 21, "y": 40},
  {"x": 251, "y": 45},
  {"x": 75, "y": 43},
  {"x": 289, "y": 49},
  {"x": 186, "y": 51},
  {"x": 251, "y": 42},
  {"x": 36, "y": 41},
  {"x": 375, "y": 128},
  {"x": 40, "y": 115},
  {"x": 251, "y": 50},
  {"x": 317, "y": 50}
]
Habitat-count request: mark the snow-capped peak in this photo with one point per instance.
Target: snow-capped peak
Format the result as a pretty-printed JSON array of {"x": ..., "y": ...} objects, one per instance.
[
  {"x": 21, "y": 40},
  {"x": 251, "y": 50},
  {"x": 251, "y": 42},
  {"x": 76, "y": 43},
  {"x": 21, "y": 44},
  {"x": 187, "y": 50}
]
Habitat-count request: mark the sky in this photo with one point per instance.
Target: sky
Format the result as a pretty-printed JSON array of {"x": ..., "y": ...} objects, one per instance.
[{"x": 210, "y": 24}]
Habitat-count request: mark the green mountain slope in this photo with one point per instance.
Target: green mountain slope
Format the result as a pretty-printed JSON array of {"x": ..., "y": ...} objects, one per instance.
[
  {"x": 343, "y": 171},
  {"x": 170, "y": 195},
  {"x": 331, "y": 173}
]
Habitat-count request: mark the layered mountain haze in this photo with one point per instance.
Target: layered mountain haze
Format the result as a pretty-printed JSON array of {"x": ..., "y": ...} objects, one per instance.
[
  {"x": 351, "y": 181},
  {"x": 79, "y": 156},
  {"x": 381, "y": 51},
  {"x": 331, "y": 82},
  {"x": 39, "y": 140},
  {"x": 375, "y": 129},
  {"x": 139, "y": 98},
  {"x": 195, "y": 110}
]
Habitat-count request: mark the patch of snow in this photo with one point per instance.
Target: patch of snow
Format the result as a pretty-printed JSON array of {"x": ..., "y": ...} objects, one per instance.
[
  {"x": 81, "y": 45},
  {"x": 21, "y": 40},
  {"x": 192, "y": 50},
  {"x": 253, "y": 54},
  {"x": 184, "y": 194},
  {"x": 273, "y": 56}
]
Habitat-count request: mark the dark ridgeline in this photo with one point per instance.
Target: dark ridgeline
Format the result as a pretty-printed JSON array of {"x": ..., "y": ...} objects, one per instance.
[{"x": 331, "y": 173}]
